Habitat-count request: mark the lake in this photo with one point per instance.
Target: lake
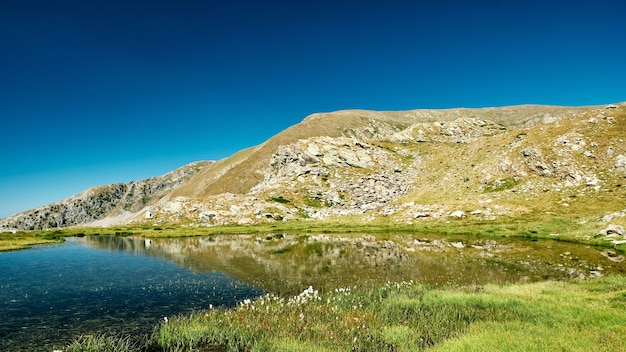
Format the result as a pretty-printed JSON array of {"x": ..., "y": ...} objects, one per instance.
[{"x": 51, "y": 294}]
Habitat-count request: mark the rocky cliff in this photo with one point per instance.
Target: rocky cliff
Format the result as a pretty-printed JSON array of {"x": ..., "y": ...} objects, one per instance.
[
  {"x": 399, "y": 166},
  {"x": 102, "y": 205}
]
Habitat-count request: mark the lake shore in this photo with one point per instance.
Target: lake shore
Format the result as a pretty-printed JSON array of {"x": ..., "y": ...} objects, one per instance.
[
  {"x": 578, "y": 315},
  {"x": 534, "y": 226}
]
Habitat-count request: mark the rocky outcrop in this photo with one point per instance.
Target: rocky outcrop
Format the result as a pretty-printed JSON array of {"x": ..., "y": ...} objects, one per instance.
[
  {"x": 101, "y": 205},
  {"x": 461, "y": 130},
  {"x": 338, "y": 176}
]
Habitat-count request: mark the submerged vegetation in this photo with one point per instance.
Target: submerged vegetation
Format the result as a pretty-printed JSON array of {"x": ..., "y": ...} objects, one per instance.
[{"x": 574, "y": 316}]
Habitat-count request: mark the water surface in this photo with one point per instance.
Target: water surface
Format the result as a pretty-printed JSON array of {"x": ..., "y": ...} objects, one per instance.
[{"x": 53, "y": 293}]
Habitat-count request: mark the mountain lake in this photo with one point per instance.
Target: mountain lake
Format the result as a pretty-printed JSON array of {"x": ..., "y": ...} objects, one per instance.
[{"x": 126, "y": 285}]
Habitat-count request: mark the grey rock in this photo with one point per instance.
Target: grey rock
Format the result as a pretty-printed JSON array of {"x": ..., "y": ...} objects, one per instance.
[
  {"x": 612, "y": 230},
  {"x": 620, "y": 162},
  {"x": 457, "y": 214}
]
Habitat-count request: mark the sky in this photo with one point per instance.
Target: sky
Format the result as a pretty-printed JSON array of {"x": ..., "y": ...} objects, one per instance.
[{"x": 99, "y": 92}]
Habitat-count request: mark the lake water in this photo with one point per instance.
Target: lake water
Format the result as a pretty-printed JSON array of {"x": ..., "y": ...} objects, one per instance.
[{"x": 51, "y": 294}]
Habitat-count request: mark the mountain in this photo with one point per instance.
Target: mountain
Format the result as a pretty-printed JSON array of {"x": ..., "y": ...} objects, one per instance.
[
  {"x": 403, "y": 166},
  {"x": 102, "y": 205}
]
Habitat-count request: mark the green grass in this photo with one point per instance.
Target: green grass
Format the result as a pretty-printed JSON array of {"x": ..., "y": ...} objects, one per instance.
[
  {"x": 500, "y": 184},
  {"x": 105, "y": 343},
  {"x": 27, "y": 239},
  {"x": 547, "y": 316}
]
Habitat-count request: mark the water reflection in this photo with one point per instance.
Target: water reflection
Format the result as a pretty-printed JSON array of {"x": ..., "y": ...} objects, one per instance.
[{"x": 285, "y": 264}]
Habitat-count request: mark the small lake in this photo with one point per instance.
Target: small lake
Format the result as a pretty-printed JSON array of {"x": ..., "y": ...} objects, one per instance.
[{"x": 51, "y": 294}]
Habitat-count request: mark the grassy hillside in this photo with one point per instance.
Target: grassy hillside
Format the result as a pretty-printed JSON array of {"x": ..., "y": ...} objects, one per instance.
[{"x": 242, "y": 171}]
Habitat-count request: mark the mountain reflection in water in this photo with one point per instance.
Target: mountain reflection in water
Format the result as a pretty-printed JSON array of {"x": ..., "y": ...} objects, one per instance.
[{"x": 286, "y": 264}]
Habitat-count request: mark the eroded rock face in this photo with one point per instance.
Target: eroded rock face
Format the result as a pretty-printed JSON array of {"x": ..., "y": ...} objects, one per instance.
[
  {"x": 118, "y": 202},
  {"x": 339, "y": 176},
  {"x": 317, "y": 156}
]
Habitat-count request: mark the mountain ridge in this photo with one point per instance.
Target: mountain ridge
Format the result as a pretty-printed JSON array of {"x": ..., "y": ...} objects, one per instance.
[{"x": 404, "y": 165}]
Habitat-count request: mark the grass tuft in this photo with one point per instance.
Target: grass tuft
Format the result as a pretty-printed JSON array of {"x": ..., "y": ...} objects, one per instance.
[{"x": 105, "y": 343}]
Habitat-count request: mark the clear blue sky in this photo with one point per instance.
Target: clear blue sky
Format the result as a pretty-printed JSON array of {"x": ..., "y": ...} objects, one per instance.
[{"x": 98, "y": 92}]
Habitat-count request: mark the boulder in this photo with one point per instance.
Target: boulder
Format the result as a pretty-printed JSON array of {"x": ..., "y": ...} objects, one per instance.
[
  {"x": 457, "y": 214},
  {"x": 612, "y": 230},
  {"x": 620, "y": 162}
]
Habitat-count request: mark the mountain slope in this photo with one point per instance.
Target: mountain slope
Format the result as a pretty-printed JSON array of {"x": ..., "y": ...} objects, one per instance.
[
  {"x": 414, "y": 165},
  {"x": 244, "y": 170},
  {"x": 402, "y": 166},
  {"x": 103, "y": 204}
]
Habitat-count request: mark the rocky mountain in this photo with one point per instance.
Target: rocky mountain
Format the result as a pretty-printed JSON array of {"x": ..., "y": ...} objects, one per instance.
[
  {"x": 403, "y": 167},
  {"x": 102, "y": 205}
]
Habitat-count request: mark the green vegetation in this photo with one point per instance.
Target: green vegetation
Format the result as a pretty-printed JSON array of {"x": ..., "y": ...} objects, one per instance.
[
  {"x": 279, "y": 199},
  {"x": 26, "y": 239},
  {"x": 104, "y": 343},
  {"x": 317, "y": 201},
  {"x": 499, "y": 185},
  {"x": 545, "y": 316}
]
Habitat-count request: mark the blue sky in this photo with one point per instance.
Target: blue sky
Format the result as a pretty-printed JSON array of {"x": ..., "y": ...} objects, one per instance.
[{"x": 98, "y": 92}]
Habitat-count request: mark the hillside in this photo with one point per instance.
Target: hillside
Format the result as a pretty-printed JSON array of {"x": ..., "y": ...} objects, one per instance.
[{"x": 400, "y": 167}]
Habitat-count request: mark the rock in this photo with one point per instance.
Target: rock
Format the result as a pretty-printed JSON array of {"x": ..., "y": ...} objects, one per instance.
[
  {"x": 612, "y": 255},
  {"x": 244, "y": 221},
  {"x": 612, "y": 230},
  {"x": 609, "y": 152},
  {"x": 615, "y": 229},
  {"x": 457, "y": 214},
  {"x": 531, "y": 152},
  {"x": 206, "y": 216},
  {"x": 458, "y": 245},
  {"x": 620, "y": 162}
]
